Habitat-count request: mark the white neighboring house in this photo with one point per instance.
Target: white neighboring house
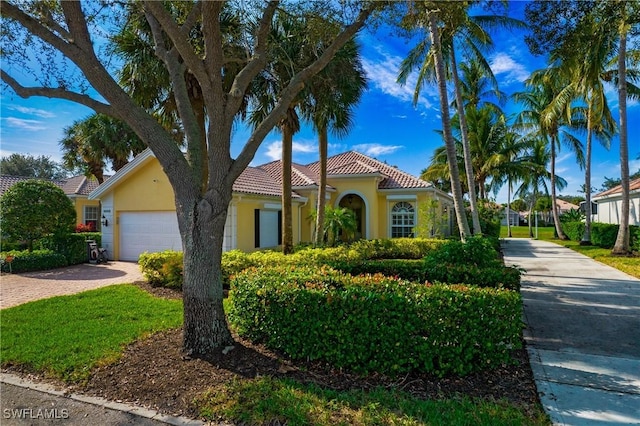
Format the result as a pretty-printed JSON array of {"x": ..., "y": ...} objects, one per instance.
[{"x": 610, "y": 204}]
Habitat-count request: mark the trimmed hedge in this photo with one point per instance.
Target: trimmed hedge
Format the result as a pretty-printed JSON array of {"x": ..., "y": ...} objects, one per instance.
[
  {"x": 72, "y": 246},
  {"x": 602, "y": 234},
  {"x": 573, "y": 230},
  {"x": 36, "y": 260},
  {"x": 375, "y": 323},
  {"x": 162, "y": 269}
]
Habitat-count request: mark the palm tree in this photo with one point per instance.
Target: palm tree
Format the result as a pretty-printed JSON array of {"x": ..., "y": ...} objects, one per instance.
[
  {"x": 534, "y": 181},
  {"x": 586, "y": 66},
  {"x": 91, "y": 141},
  {"x": 471, "y": 32},
  {"x": 334, "y": 92},
  {"x": 427, "y": 15},
  {"x": 549, "y": 123},
  {"x": 627, "y": 14}
]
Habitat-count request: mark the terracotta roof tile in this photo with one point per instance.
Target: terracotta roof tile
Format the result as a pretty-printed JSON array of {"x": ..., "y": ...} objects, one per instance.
[
  {"x": 634, "y": 185},
  {"x": 76, "y": 185},
  {"x": 356, "y": 162},
  {"x": 254, "y": 180}
]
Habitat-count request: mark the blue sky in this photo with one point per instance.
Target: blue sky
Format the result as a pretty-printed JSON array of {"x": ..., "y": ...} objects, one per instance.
[{"x": 387, "y": 125}]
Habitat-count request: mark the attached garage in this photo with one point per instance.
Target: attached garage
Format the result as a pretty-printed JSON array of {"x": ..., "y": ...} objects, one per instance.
[{"x": 148, "y": 231}]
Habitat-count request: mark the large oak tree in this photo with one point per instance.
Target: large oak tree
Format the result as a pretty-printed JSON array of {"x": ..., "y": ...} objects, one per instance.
[{"x": 73, "y": 30}]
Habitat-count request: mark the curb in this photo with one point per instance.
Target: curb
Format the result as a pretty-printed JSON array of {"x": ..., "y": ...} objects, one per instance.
[{"x": 14, "y": 380}]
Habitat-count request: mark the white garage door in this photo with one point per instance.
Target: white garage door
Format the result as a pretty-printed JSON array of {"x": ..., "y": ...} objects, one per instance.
[{"x": 148, "y": 231}]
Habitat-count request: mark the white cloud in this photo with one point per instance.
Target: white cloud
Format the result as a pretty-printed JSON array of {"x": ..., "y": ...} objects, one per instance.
[
  {"x": 375, "y": 149},
  {"x": 32, "y": 111},
  {"x": 382, "y": 73},
  {"x": 511, "y": 71},
  {"x": 274, "y": 149},
  {"x": 29, "y": 125}
]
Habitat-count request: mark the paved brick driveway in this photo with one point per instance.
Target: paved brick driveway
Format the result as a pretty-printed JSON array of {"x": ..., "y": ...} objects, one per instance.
[{"x": 16, "y": 289}]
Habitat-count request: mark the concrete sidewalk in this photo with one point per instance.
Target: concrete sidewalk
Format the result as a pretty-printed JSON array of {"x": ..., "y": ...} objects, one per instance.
[{"x": 582, "y": 332}]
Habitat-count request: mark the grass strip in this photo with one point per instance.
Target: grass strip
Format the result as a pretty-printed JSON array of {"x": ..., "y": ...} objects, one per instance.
[
  {"x": 267, "y": 400},
  {"x": 66, "y": 336}
]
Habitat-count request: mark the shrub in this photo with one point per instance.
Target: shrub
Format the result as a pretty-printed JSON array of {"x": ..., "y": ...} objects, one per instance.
[
  {"x": 33, "y": 208},
  {"x": 573, "y": 230},
  {"x": 36, "y": 260},
  {"x": 375, "y": 323},
  {"x": 506, "y": 277},
  {"x": 81, "y": 227},
  {"x": 72, "y": 246},
  {"x": 477, "y": 251},
  {"x": 163, "y": 269},
  {"x": 634, "y": 238},
  {"x": 406, "y": 269},
  {"x": 604, "y": 234}
]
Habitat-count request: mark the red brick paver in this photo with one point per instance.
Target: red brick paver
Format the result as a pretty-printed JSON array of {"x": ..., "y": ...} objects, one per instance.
[{"x": 16, "y": 289}]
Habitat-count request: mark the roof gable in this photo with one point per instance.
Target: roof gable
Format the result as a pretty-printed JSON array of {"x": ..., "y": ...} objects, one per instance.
[{"x": 634, "y": 185}]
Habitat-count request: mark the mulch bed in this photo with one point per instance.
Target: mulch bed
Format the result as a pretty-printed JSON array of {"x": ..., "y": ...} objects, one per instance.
[{"x": 155, "y": 373}]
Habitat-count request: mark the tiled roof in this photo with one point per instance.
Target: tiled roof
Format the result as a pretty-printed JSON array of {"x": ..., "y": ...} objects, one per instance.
[
  {"x": 77, "y": 185},
  {"x": 254, "y": 180},
  {"x": 634, "y": 185},
  {"x": 565, "y": 205},
  {"x": 353, "y": 162}
]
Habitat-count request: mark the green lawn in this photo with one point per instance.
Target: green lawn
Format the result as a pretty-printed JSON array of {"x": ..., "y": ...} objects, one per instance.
[
  {"x": 66, "y": 336},
  {"x": 630, "y": 265},
  {"x": 274, "y": 401}
]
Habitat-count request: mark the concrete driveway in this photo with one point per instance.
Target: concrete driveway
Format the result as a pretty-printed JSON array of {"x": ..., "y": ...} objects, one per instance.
[
  {"x": 582, "y": 332},
  {"x": 16, "y": 289}
]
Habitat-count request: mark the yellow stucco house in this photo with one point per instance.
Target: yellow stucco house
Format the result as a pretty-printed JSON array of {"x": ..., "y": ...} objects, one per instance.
[
  {"x": 138, "y": 204},
  {"x": 77, "y": 188}
]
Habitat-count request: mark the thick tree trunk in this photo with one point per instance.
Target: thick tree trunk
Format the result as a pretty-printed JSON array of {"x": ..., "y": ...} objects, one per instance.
[
  {"x": 621, "y": 245},
  {"x": 554, "y": 208},
  {"x": 468, "y": 165},
  {"x": 322, "y": 189},
  {"x": 287, "y": 220},
  {"x": 456, "y": 189},
  {"x": 202, "y": 228},
  {"x": 586, "y": 238}
]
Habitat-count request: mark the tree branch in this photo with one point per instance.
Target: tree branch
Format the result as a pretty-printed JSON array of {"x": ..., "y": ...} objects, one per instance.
[
  {"x": 75, "y": 20},
  {"x": 57, "y": 93},
  {"x": 242, "y": 81},
  {"x": 295, "y": 86},
  {"x": 180, "y": 39}
]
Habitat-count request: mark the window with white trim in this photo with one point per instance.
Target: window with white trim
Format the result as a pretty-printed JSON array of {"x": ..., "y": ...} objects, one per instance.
[
  {"x": 403, "y": 220},
  {"x": 91, "y": 216}
]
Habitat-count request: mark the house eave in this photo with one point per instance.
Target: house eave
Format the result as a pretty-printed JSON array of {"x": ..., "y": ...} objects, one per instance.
[{"x": 120, "y": 175}]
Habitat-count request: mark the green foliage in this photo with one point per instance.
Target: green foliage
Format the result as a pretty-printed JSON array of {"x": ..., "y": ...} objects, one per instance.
[
  {"x": 33, "y": 209},
  {"x": 634, "y": 238},
  {"x": 34, "y": 260},
  {"x": 72, "y": 246},
  {"x": 66, "y": 336},
  {"x": 339, "y": 222},
  {"x": 163, "y": 269},
  {"x": 604, "y": 234},
  {"x": 489, "y": 215},
  {"x": 572, "y": 215},
  {"x": 431, "y": 220},
  {"x": 574, "y": 230},
  {"x": 375, "y": 323},
  {"x": 478, "y": 251},
  {"x": 270, "y": 401},
  {"x": 41, "y": 167},
  {"x": 406, "y": 269}
]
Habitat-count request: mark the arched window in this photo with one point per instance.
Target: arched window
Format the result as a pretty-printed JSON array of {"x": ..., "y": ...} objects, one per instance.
[{"x": 403, "y": 220}]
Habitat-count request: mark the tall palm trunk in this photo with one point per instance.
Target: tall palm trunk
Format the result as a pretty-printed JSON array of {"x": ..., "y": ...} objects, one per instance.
[
  {"x": 509, "y": 208},
  {"x": 554, "y": 207},
  {"x": 322, "y": 189},
  {"x": 287, "y": 221},
  {"x": 621, "y": 245},
  {"x": 586, "y": 238},
  {"x": 454, "y": 174},
  {"x": 468, "y": 166}
]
